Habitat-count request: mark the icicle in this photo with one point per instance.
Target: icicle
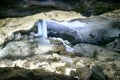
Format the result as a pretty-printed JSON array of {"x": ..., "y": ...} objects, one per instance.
[
  {"x": 42, "y": 28},
  {"x": 39, "y": 28}
]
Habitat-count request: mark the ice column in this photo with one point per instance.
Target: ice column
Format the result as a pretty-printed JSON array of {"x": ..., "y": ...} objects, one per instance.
[{"x": 42, "y": 28}]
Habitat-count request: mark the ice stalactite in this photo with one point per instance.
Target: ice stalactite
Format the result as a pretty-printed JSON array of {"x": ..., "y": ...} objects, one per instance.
[{"x": 41, "y": 29}]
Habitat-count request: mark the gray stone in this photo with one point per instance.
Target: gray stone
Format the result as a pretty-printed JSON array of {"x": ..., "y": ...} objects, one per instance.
[
  {"x": 88, "y": 50},
  {"x": 83, "y": 73}
]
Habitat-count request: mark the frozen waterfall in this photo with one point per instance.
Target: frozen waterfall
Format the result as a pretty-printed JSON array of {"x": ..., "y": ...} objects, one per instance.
[{"x": 41, "y": 29}]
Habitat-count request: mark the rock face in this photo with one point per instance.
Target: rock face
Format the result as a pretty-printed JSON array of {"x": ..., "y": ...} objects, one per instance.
[
  {"x": 96, "y": 52},
  {"x": 115, "y": 45},
  {"x": 95, "y": 30},
  {"x": 90, "y": 30},
  {"x": 55, "y": 55},
  {"x": 10, "y": 25},
  {"x": 21, "y": 49},
  {"x": 18, "y": 8}
]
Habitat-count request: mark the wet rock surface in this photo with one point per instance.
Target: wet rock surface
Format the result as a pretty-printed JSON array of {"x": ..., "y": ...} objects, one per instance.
[
  {"x": 94, "y": 30},
  {"x": 24, "y": 56}
]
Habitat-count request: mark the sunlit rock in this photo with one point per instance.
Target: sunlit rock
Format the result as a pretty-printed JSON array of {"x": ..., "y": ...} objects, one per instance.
[
  {"x": 61, "y": 46},
  {"x": 55, "y": 57},
  {"x": 69, "y": 70},
  {"x": 81, "y": 62},
  {"x": 112, "y": 14},
  {"x": 58, "y": 48},
  {"x": 69, "y": 61},
  {"x": 19, "y": 63}
]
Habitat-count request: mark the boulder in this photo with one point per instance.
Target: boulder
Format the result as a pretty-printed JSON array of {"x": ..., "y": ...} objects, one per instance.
[
  {"x": 60, "y": 46},
  {"x": 83, "y": 73},
  {"x": 88, "y": 50},
  {"x": 115, "y": 45}
]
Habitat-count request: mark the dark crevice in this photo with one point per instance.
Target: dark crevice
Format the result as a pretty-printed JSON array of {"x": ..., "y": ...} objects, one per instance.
[
  {"x": 17, "y": 73},
  {"x": 64, "y": 37},
  {"x": 102, "y": 42}
]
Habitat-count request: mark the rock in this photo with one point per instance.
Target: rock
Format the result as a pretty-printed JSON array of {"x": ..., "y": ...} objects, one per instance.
[
  {"x": 28, "y": 46},
  {"x": 76, "y": 67},
  {"x": 61, "y": 46},
  {"x": 27, "y": 74},
  {"x": 88, "y": 50},
  {"x": 87, "y": 8},
  {"x": 83, "y": 62},
  {"x": 55, "y": 41},
  {"x": 83, "y": 73},
  {"x": 112, "y": 14},
  {"x": 98, "y": 74},
  {"x": 55, "y": 57},
  {"x": 109, "y": 70},
  {"x": 58, "y": 48},
  {"x": 11, "y": 25},
  {"x": 70, "y": 72},
  {"x": 16, "y": 49},
  {"x": 93, "y": 30},
  {"x": 25, "y": 48},
  {"x": 58, "y": 45},
  {"x": 115, "y": 46},
  {"x": 90, "y": 62}
]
